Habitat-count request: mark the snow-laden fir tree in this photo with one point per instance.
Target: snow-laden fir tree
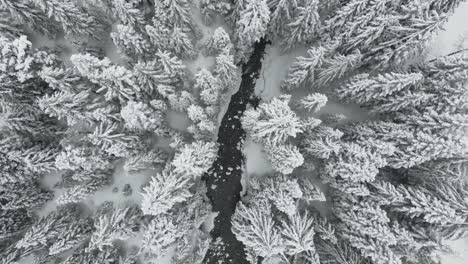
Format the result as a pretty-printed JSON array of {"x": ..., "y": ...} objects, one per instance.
[
  {"x": 73, "y": 18},
  {"x": 255, "y": 228},
  {"x": 192, "y": 160},
  {"x": 284, "y": 158},
  {"x": 210, "y": 9},
  {"x": 226, "y": 70},
  {"x": 23, "y": 195},
  {"x": 130, "y": 43},
  {"x": 208, "y": 87},
  {"x": 119, "y": 224},
  {"x": 218, "y": 42},
  {"x": 114, "y": 81},
  {"x": 74, "y": 234},
  {"x": 313, "y": 102},
  {"x": 143, "y": 116},
  {"x": 177, "y": 229},
  {"x": 165, "y": 190},
  {"x": 303, "y": 70},
  {"x": 26, "y": 13},
  {"x": 82, "y": 191},
  {"x": 84, "y": 157},
  {"x": 272, "y": 122},
  {"x": 303, "y": 26},
  {"x": 251, "y": 26}
]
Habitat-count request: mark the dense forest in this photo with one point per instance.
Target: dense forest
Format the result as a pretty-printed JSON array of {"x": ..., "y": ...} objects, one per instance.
[{"x": 123, "y": 124}]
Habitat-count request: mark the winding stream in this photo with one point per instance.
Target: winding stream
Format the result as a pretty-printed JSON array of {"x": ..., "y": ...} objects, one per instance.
[{"x": 224, "y": 177}]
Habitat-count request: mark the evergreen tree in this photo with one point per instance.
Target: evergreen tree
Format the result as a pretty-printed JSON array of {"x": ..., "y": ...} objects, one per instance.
[
  {"x": 208, "y": 87},
  {"x": 210, "y": 9},
  {"x": 128, "y": 13},
  {"x": 130, "y": 42},
  {"x": 313, "y": 102},
  {"x": 73, "y": 18},
  {"x": 226, "y": 70},
  {"x": 141, "y": 116},
  {"x": 109, "y": 137},
  {"x": 13, "y": 222},
  {"x": 74, "y": 234},
  {"x": 218, "y": 42},
  {"x": 192, "y": 160},
  {"x": 165, "y": 190},
  {"x": 273, "y": 122},
  {"x": 254, "y": 227},
  {"x": 114, "y": 81},
  {"x": 251, "y": 26},
  {"x": 46, "y": 230},
  {"x": 119, "y": 224},
  {"x": 17, "y": 196},
  {"x": 284, "y": 158},
  {"x": 82, "y": 191},
  {"x": 24, "y": 12},
  {"x": 303, "y": 26},
  {"x": 298, "y": 234},
  {"x": 84, "y": 157},
  {"x": 416, "y": 203},
  {"x": 303, "y": 72}
]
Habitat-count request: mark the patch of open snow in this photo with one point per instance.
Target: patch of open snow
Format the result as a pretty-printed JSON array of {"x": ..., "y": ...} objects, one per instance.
[
  {"x": 460, "y": 248},
  {"x": 120, "y": 179},
  {"x": 256, "y": 160},
  {"x": 274, "y": 70},
  {"x": 448, "y": 38},
  {"x": 177, "y": 120}
]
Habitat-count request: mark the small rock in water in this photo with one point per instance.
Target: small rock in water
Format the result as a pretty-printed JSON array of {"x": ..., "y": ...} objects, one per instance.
[
  {"x": 127, "y": 190},
  {"x": 115, "y": 190}
]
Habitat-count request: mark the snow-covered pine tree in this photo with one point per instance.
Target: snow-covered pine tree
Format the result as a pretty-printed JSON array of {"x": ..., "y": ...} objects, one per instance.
[
  {"x": 417, "y": 203},
  {"x": 165, "y": 190},
  {"x": 160, "y": 76},
  {"x": 145, "y": 160},
  {"x": 364, "y": 89},
  {"x": 82, "y": 191},
  {"x": 13, "y": 222},
  {"x": 210, "y": 9},
  {"x": 73, "y": 235},
  {"x": 281, "y": 15},
  {"x": 131, "y": 43},
  {"x": 192, "y": 160},
  {"x": 46, "y": 230},
  {"x": 87, "y": 158},
  {"x": 303, "y": 70},
  {"x": 25, "y": 13},
  {"x": 255, "y": 228},
  {"x": 284, "y": 158},
  {"x": 217, "y": 43},
  {"x": 142, "y": 116},
  {"x": 73, "y": 18},
  {"x": 110, "y": 137},
  {"x": 367, "y": 227},
  {"x": 226, "y": 70},
  {"x": 251, "y": 26},
  {"x": 303, "y": 26},
  {"x": 128, "y": 13},
  {"x": 313, "y": 102},
  {"x": 272, "y": 122},
  {"x": 119, "y": 224},
  {"x": 114, "y": 81},
  {"x": 26, "y": 195},
  {"x": 208, "y": 87}
]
